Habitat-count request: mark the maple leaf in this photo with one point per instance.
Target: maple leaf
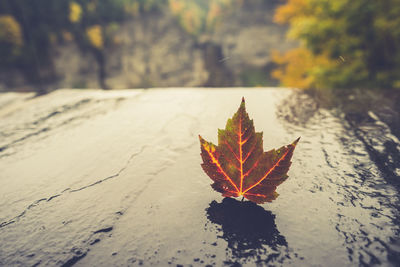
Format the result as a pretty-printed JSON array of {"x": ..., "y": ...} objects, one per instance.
[{"x": 239, "y": 166}]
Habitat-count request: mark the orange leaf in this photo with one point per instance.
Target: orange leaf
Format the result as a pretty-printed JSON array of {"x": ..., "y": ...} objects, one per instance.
[{"x": 239, "y": 166}]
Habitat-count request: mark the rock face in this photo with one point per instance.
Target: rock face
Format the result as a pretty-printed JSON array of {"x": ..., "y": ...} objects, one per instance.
[
  {"x": 74, "y": 68},
  {"x": 94, "y": 178},
  {"x": 13, "y": 79},
  {"x": 248, "y": 35},
  {"x": 153, "y": 50}
]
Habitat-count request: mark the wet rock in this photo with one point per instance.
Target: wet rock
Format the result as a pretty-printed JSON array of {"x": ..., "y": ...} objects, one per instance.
[
  {"x": 94, "y": 178},
  {"x": 249, "y": 230}
]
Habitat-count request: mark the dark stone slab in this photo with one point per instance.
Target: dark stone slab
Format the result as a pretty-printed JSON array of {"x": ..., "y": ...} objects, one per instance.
[{"x": 93, "y": 178}]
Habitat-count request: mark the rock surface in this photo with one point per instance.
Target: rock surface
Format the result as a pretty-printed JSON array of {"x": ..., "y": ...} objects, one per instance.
[
  {"x": 153, "y": 51},
  {"x": 249, "y": 34},
  {"x": 94, "y": 178}
]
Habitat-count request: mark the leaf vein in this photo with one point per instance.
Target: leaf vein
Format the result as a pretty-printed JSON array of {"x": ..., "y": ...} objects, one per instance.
[
  {"x": 230, "y": 148},
  {"x": 268, "y": 172},
  {"x": 250, "y": 152},
  {"x": 215, "y": 161}
]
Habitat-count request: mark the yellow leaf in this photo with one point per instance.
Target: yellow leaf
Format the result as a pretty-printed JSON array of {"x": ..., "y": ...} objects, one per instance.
[
  {"x": 10, "y": 30},
  {"x": 75, "y": 12},
  {"x": 95, "y": 36}
]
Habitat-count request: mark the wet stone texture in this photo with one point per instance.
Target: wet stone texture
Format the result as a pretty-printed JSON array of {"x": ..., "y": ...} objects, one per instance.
[{"x": 94, "y": 178}]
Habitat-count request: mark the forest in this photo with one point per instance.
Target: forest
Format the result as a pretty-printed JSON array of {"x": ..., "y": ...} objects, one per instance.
[{"x": 338, "y": 44}]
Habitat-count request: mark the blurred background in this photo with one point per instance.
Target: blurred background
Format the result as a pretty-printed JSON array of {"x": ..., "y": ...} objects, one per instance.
[{"x": 116, "y": 44}]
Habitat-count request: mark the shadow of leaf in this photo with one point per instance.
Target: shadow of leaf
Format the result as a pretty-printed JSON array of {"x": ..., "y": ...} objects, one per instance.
[{"x": 249, "y": 230}]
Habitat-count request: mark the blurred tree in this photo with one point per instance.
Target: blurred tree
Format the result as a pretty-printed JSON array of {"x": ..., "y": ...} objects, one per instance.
[
  {"x": 38, "y": 20},
  {"x": 344, "y": 44},
  {"x": 28, "y": 29},
  {"x": 300, "y": 68},
  {"x": 199, "y": 16},
  {"x": 10, "y": 38}
]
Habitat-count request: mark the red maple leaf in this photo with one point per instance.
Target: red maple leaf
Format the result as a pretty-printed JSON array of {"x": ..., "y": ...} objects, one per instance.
[{"x": 239, "y": 166}]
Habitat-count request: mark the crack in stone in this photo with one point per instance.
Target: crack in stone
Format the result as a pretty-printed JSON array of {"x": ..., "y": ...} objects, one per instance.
[
  {"x": 62, "y": 110},
  {"x": 111, "y": 176},
  {"x": 80, "y": 253},
  {"x": 65, "y": 109},
  {"x": 58, "y": 111},
  {"x": 104, "y": 230},
  {"x": 72, "y": 261},
  {"x": 69, "y": 190},
  {"x": 94, "y": 238},
  {"x": 24, "y": 138},
  {"x": 120, "y": 213}
]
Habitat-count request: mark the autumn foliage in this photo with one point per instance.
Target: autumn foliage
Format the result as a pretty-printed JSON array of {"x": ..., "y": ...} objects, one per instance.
[
  {"x": 239, "y": 166},
  {"x": 343, "y": 44},
  {"x": 11, "y": 40},
  {"x": 198, "y": 17}
]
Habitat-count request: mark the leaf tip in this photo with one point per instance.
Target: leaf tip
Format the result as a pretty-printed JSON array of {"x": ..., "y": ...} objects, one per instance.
[
  {"x": 243, "y": 104},
  {"x": 296, "y": 141}
]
